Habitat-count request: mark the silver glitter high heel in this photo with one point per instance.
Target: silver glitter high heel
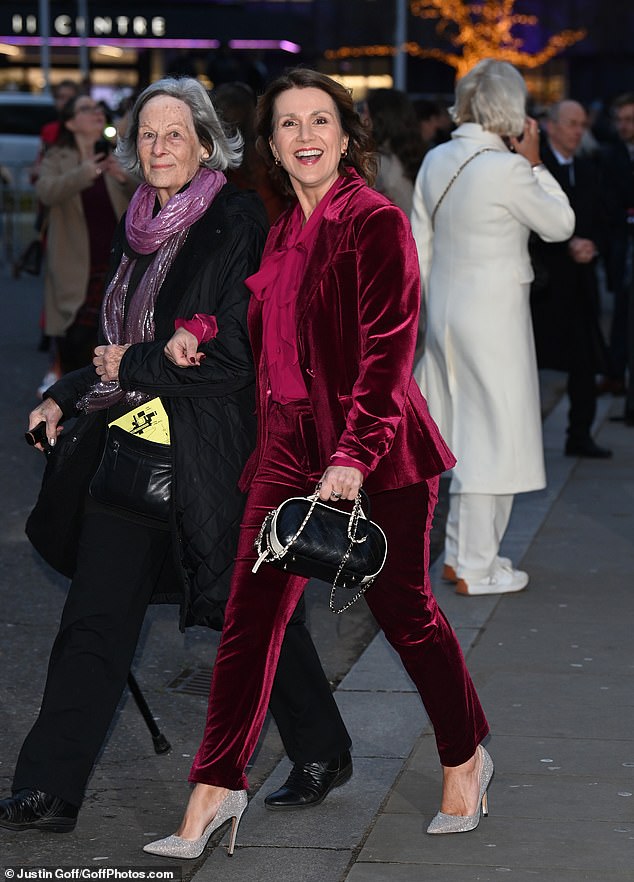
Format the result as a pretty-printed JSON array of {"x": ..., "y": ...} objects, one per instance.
[
  {"x": 443, "y": 823},
  {"x": 231, "y": 808}
]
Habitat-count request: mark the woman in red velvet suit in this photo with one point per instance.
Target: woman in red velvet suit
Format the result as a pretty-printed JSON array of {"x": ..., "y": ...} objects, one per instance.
[{"x": 333, "y": 322}]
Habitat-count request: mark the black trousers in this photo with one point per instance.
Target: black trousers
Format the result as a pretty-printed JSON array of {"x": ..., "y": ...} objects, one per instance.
[
  {"x": 582, "y": 395},
  {"x": 118, "y": 565}
]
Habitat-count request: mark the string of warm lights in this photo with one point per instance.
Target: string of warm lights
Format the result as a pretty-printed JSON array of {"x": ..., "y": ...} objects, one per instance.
[{"x": 478, "y": 30}]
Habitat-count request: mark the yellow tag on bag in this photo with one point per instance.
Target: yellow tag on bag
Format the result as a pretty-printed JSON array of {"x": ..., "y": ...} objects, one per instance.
[{"x": 148, "y": 421}]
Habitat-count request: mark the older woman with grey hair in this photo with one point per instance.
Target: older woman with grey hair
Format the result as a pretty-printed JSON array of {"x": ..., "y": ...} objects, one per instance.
[
  {"x": 476, "y": 200},
  {"x": 180, "y": 256}
]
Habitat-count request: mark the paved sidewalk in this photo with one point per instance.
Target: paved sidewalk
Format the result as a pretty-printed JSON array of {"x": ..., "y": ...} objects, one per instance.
[{"x": 554, "y": 669}]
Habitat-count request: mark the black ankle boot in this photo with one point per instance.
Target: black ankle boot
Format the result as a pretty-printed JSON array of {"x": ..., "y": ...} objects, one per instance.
[
  {"x": 310, "y": 783},
  {"x": 34, "y": 810}
]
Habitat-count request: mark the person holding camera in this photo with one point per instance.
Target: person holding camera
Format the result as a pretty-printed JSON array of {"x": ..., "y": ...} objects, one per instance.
[
  {"x": 476, "y": 199},
  {"x": 86, "y": 190}
]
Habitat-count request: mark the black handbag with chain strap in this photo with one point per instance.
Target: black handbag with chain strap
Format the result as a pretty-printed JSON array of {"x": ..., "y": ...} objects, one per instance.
[{"x": 310, "y": 538}]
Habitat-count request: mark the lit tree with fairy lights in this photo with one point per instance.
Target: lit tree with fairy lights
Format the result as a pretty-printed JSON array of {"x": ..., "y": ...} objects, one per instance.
[{"x": 476, "y": 31}]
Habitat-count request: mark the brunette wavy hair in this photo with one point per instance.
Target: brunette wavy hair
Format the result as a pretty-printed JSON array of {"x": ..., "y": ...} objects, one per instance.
[
  {"x": 360, "y": 154},
  {"x": 66, "y": 138}
]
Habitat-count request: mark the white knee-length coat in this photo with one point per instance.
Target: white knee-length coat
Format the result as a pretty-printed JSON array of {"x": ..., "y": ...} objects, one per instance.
[{"x": 479, "y": 372}]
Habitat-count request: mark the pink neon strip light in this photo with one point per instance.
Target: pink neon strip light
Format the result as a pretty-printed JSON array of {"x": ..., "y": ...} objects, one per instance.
[{"x": 153, "y": 43}]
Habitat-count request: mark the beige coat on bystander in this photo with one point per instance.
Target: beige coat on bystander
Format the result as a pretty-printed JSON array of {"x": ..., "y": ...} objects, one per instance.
[{"x": 62, "y": 178}]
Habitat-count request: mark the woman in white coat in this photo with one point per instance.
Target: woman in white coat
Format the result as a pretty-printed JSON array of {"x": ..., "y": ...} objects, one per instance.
[{"x": 476, "y": 200}]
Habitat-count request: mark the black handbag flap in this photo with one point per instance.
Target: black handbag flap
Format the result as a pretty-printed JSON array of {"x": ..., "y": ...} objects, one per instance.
[
  {"x": 134, "y": 475},
  {"x": 325, "y": 537}
]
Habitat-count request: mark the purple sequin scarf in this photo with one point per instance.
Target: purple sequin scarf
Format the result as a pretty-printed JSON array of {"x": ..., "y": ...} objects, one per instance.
[{"x": 164, "y": 234}]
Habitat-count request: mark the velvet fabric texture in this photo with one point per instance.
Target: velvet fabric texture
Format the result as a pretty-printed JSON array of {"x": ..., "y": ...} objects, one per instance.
[
  {"x": 277, "y": 284},
  {"x": 356, "y": 316},
  {"x": 261, "y": 604},
  {"x": 356, "y": 323}
]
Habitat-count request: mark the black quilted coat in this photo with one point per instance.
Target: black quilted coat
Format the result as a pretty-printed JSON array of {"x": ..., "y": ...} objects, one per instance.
[{"x": 211, "y": 407}]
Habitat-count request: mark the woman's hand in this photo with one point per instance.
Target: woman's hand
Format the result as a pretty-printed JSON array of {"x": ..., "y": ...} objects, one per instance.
[
  {"x": 107, "y": 360},
  {"x": 50, "y": 412},
  {"x": 582, "y": 250},
  {"x": 528, "y": 146},
  {"x": 181, "y": 349},
  {"x": 340, "y": 482},
  {"x": 96, "y": 164}
]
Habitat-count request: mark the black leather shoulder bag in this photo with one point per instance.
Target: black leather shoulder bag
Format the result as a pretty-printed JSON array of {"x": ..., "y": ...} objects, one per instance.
[{"x": 310, "y": 538}]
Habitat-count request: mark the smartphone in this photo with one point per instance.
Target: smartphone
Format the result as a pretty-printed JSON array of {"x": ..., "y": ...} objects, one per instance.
[{"x": 103, "y": 146}]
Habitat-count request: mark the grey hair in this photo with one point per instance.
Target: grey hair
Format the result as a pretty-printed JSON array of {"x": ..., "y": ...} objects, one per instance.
[
  {"x": 492, "y": 94},
  {"x": 224, "y": 151}
]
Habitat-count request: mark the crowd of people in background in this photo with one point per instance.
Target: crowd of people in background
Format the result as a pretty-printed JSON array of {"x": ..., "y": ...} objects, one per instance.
[{"x": 588, "y": 335}]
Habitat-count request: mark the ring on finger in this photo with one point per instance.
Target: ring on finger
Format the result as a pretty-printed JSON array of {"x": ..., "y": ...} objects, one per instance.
[{"x": 335, "y": 495}]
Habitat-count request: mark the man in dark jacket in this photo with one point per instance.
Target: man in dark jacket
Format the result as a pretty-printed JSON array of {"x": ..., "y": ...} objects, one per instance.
[{"x": 564, "y": 297}]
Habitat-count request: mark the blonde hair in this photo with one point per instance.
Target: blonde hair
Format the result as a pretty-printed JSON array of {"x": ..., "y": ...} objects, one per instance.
[{"x": 492, "y": 94}]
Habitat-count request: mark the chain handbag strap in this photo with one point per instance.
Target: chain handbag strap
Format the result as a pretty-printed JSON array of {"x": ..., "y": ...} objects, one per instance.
[
  {"x": 453, "y": 179},
  {"x": 357, "y": 512}
]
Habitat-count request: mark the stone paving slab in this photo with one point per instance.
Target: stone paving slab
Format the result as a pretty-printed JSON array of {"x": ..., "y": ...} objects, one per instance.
[
  {"x": 541, "y": 645},
  {"x": 562, "y": 705},
  {"x": 530, "y": 843},
  {"x": 400, "y": 872},
  {"x": 383, "y": 724},
  {"x": 604, "y": 759},
  {"x": 378, "y": 670},
  {"x": 277, "y": 865},
  {"x": 554, "y": 795}
]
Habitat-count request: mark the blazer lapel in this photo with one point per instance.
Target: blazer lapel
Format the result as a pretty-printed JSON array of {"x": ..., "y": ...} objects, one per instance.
[{"x": 334, "y": 226}]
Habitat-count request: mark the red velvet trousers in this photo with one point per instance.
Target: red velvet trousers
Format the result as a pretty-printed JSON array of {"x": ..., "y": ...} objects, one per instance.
[{"x": 261, "y": 604}]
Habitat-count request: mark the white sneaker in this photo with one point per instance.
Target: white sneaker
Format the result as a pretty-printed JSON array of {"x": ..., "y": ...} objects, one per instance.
[
  {"x": 47, "y": 381},
  {"x": 449, "y": 570},
  {"x": 504, "y": 580}
]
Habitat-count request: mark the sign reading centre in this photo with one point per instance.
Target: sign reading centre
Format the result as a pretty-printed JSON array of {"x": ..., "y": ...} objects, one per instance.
[{"x": 98, "y": 25}]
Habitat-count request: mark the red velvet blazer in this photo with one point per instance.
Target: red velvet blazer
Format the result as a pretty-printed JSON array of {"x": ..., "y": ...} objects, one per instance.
[{"x": 357, "y": 319}]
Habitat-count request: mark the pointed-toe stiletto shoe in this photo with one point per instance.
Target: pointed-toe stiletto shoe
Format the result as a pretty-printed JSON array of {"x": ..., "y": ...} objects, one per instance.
[
  {"x": 230, "y": 809},
  {"x": 443, "y": 823}
]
